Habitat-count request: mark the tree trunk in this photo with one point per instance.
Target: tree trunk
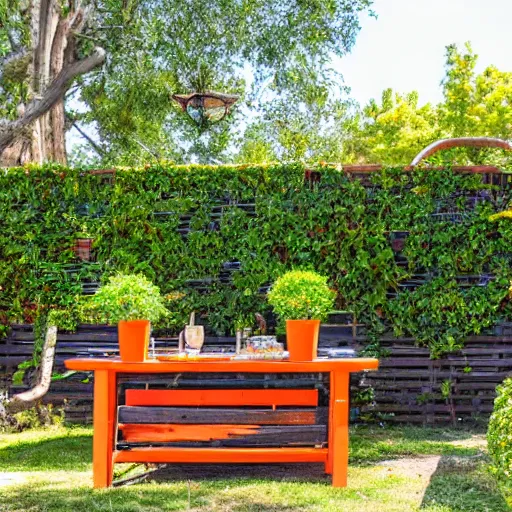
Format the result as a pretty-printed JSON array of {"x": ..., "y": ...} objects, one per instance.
[
  {"x": 41, "y": 138},
  {"x": 30, "y": 398}
]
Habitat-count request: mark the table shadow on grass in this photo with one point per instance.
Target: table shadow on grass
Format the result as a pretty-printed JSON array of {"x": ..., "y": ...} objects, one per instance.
[
  {"x": 57, "y": 453},
  {"x": 297, "y": 472},
  {"x": 237, "y": 488},
  {"x": 463, "y": 484}
]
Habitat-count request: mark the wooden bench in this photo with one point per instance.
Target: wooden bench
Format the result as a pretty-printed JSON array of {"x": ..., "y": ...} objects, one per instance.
[
  {"x": 219, "y": 425},
  {"x": 235, "y": 417}
]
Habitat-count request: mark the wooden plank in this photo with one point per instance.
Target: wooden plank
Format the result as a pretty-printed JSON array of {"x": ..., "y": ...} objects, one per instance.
[
  {"x": 446, "y": 363},
  {"x": 221, "y": 455},
  {"x": 491, "y": 350},
  {"x": 428, "y": 374},
  {"x": 222, "y": 381},
  {"x": 218, "y": 397},
  {"x": 407, "y": 362},
  {"x": 433, "y": 408},
  {"x": 182, "y": 415},
  {"x": 223, "y": 435},
  {"x": 10, "y": 362},
  {"x": 477, "y": 386},
  {"x": 17, "y": 349},
  {"x": 93, "y": 337},
  {"x": 23, "y": 335}
]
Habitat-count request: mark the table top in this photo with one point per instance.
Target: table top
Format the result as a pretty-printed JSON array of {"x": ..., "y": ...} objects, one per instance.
[{"x": 255, "y": 366}]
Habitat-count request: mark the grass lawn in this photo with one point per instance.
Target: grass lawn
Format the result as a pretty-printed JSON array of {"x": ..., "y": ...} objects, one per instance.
[{"x": 391, "y": 469}]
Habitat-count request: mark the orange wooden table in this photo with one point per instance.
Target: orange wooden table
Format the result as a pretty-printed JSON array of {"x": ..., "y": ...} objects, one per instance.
[{"x": 106, "y": 372}]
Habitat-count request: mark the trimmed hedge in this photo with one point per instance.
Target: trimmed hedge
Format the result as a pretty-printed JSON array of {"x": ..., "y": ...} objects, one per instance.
[{"x": 411, "y": 252}]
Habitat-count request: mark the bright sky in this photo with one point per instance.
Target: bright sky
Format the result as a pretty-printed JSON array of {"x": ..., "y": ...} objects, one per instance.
[{"x": 404, "y": 48}]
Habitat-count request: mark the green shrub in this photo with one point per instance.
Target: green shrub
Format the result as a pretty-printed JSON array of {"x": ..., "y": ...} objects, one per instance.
[
  {"x": 128, "y": 297},
  {"x": 184, "y": 227},
  {"x": 499, "y": 435},
  {"x": 301, "y": 295}
]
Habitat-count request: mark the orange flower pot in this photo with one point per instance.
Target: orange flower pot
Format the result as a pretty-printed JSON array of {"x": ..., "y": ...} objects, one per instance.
[
  {"x": 302, "y": 339},
  {"x": 133, "y": 340}
]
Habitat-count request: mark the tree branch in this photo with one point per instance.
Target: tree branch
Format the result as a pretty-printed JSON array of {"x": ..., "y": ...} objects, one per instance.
[
  {"x": 95, "y": 146},
  {"x": 10, "y": 130},
  {"x": 27, "y": 399},
  {"x": 144, "y": 147}
]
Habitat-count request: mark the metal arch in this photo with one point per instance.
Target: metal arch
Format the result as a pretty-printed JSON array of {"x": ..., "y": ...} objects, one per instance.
[{"x": 475, "y": 142}]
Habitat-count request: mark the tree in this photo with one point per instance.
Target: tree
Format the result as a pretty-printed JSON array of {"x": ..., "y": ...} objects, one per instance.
[
  {"x": 261, "y": 50},
  {"x": 155, "y": 48},
  {"x": 392, "y": 132},
  {"x": 475, "y": 104},
  {"x": 303, "y": 123},
  {"x": 41, "y": 56},
  {"x": 395, "y": 130}
]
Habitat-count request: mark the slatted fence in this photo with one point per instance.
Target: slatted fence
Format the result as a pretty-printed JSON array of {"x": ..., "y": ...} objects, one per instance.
[{"x": 409, "y": 387}]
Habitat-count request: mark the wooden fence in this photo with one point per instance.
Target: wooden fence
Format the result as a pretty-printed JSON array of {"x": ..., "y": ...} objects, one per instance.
[{"x": 408, "y": 388}]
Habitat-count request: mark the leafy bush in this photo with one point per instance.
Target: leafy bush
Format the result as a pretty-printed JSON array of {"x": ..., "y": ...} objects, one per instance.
[
  {"x": 214, "y": 237},
  {"x": 499, "y": 435},
  {"x": 301, "y": 295},
  {"x": 128, "y": 297}
]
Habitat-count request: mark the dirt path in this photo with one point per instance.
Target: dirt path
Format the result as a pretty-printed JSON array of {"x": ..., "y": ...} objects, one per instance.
[{"x": 13, "y": 478}]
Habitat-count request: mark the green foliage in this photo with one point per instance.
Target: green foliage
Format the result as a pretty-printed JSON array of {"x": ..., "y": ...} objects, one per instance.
[
  {"x": 39, "y": 416},
  {"x": 181, "y": 226},
  {"x": 446, "y": 388},
  {"x": 301, "y": 295},
  {"x": 64, "y": 319},
  {"x": 499, "y": 435},
  {"x": 394, "y": 130},
  {"x": 128, "y": 297},
  {"x": 267, "y": 49},
  {"x": 17, "y": 377}
]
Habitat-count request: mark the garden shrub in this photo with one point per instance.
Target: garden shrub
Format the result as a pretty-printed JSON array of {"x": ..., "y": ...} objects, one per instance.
[{"x": 499, "y": 434}]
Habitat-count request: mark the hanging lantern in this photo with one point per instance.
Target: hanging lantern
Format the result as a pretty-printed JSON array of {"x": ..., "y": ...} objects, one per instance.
[{"x": 205, "y": 107}]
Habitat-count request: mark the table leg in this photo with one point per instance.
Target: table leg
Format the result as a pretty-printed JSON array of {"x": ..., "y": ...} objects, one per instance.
[
  {"x": 105, "y": 401},
  {"x": 330, "y": 441},
  {"x": 337, "y": 460}
]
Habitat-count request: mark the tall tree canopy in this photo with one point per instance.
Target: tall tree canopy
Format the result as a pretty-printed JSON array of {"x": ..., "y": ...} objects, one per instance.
[
  {"x": 105, "y": 70},
  {"x": 259, "y": 49},
  {"x": 396, "y": 128}
]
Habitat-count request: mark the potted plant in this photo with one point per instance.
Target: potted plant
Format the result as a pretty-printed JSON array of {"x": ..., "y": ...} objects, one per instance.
[
  {"x": 82, "y": 248},
  {"x": 303, "y": 299},
  {"x": 83, "y": 244},
  {"x": 133, "y": 302}
]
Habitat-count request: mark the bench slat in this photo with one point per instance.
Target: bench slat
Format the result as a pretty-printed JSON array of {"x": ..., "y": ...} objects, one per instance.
[
  {"x": 183, "y": 415},
  {"x": 222, "y": 455},
  {"x": 221, "y": 435},
  {"x": 221, "y": 397}
]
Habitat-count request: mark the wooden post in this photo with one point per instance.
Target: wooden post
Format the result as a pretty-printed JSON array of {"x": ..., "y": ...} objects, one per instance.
[
  {"x": 105, "y": 398},
  {"x": 337, "y": 461}
]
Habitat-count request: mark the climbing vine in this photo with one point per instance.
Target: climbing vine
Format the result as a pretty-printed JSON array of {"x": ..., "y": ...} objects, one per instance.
[{"x": 421, "y": 254}]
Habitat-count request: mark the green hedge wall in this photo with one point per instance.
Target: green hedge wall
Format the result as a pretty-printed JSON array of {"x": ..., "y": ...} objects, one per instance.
[{"x": 411, "y": 252}]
